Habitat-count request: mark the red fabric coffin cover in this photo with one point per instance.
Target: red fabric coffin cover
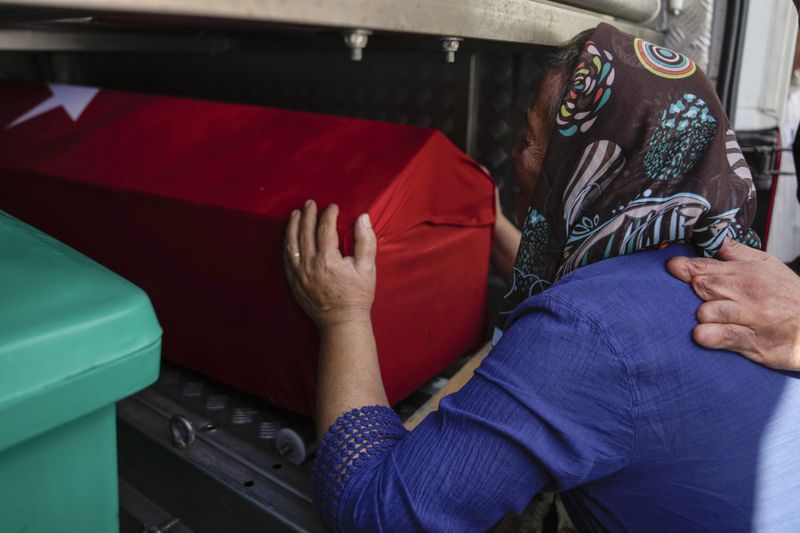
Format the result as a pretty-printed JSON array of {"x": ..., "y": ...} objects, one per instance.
[{"x": 189, "y": 199}]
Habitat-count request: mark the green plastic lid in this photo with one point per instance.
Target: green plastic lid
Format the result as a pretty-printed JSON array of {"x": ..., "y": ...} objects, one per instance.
[{"x": 74, "y": 336}]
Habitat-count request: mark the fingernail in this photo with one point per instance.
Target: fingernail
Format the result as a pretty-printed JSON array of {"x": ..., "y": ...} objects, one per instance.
[
  {"x": 308, "y": 203},
  {"x": 295, "y": 212},
  {"x": 365, "y": 221}
]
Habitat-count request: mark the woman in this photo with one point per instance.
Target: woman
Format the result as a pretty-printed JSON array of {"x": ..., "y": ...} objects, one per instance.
[{"x": 595, "y": 388}]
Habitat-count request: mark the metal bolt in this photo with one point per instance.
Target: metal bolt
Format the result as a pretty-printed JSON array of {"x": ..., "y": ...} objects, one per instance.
[
  {"x": 356, "y": 41},
  {"x": 676, "y": 7},
  {"x": 450, "y": 46},
  {"x": 183, "y": 432},
  {"x": 291, "y": 445}
]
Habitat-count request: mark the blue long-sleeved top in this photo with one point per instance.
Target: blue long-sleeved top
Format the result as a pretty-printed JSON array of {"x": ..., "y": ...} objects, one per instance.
[{"x": 596, "y": 390}]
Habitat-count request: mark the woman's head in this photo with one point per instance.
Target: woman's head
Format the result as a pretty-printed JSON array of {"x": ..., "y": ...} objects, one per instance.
[
  {"x": 541, "y": 117},
  {"x": 627, "y": 148}
]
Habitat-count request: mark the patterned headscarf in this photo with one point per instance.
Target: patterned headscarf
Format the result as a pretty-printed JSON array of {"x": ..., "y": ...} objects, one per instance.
[{"x": 641, "y": 155}]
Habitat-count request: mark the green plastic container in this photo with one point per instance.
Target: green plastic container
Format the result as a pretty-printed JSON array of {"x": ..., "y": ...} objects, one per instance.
[{"x": 74, "y": 339}]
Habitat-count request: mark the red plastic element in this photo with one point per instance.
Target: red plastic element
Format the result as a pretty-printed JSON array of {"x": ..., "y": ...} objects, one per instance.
[
  {"x": 776, "y": 167},
  {"x": 189, "y": 199}
]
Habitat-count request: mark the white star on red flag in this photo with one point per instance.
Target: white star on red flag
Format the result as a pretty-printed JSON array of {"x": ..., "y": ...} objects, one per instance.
[{"x": 74, "y": 99}]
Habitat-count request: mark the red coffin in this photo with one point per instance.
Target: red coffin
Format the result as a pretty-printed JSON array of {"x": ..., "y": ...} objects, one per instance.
[{"x": 189, "y": 200}]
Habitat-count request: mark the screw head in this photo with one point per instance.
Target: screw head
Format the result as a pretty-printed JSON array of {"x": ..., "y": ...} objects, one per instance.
[
  {"x": 183, "y": 432},
  {"x": 450, "y": 46},
  {"x": 356, "y": 40},
  {"x": 291, "y": 445}
]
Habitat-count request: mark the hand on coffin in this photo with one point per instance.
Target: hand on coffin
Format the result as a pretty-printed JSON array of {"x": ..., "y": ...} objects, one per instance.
[
  {"x": 752, "y": 304},
  {"x": 332, "y": 289}
]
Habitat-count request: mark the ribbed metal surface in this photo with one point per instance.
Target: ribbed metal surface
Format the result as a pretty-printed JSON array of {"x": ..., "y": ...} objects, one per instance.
[
  {"x": 690, "y": 31},
  {"x": 506, "y": 86},
  {"x": 232, "y": 478},
  {"x": 417, "y": 89},
  {"x": 224, "y": 407},
  {"x": 219, "y": 406}
]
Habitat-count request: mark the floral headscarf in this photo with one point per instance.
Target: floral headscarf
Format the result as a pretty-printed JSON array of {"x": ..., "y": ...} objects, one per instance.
[{"x": 642, "y": 155}]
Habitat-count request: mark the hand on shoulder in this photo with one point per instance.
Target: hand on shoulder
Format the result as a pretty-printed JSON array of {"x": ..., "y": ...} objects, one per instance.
[{"x": 752, "y": 304}]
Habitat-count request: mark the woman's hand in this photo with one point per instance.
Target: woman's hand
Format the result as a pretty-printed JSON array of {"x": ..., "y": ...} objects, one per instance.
[
  {"x": 337, "y": 293},
  {"x": 332, "y": 289},
  {"x": 505, "y": 244}
]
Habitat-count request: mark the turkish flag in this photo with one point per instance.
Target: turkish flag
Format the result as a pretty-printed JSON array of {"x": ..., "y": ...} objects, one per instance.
[{"x": 189, "y": 199}]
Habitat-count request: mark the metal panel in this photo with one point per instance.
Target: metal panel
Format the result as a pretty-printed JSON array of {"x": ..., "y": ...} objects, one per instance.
[
  {"x": 227, "y": 480},
  {"x": 232, "y": 476},
  {"x": 137, "y": 514},
  {"x": 641, "y": 11},
  {"x": 689, "y": 32},
  {"x": 522, "y": 21},
  {"x": 416, "y": 89},
  {"x": 72, "y": 40}
]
